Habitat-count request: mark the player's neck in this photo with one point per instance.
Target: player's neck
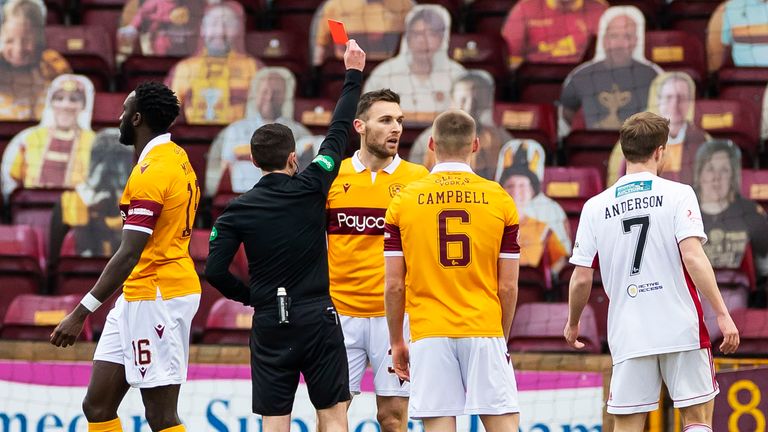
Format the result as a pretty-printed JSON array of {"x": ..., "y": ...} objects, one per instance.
[
  {"x": 465, "y": 161},
  {"x": 142, "y": 139},
  {"x": 372, "y": 162},
  {"x": 648, "y": 167}
]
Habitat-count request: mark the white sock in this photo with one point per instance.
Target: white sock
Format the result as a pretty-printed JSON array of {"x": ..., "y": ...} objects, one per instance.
[{"x": 697, "y": 427}]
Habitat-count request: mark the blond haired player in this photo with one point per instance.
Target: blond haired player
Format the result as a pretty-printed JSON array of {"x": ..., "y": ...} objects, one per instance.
[
  {"x": 356, "y": 205},
  {"x": 145, "y": 342},
  {"x": 648, "y": 234},
  {"x": 453, "y": 236}
]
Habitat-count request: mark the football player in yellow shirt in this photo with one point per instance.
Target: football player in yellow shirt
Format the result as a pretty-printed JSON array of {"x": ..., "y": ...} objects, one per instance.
[
  {"x": 453, "y": 236},
  {"x": 145, "y": 342},
  {"x": 356, "y": 204}
]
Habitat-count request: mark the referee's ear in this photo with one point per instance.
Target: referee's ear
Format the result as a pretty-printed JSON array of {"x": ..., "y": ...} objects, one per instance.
[{"x": 250, "y": 155}]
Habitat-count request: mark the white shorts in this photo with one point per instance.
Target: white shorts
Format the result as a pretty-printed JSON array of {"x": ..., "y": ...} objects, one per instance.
[
  {"x": 150, "y": 338},
  {"x": 367, "y": 340},
  {"x": 458, "y": 376},
  {"x": 636, "y": 382}
]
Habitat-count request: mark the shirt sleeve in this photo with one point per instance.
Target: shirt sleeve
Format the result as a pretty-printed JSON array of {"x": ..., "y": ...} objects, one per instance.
[
  {"x": 393, "y": 244},
  {"x": 145, "y": 201},
  {"x": 222, "y": 247},
  {"x": 510, "y": 246},
  {"x": 325, "y": 166},
  {"x": 585, "y": 246},
  {"x": 688, "y": 222}
]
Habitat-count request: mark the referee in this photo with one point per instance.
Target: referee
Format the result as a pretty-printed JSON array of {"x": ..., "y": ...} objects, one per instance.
[{"x": 281, "y": 222}]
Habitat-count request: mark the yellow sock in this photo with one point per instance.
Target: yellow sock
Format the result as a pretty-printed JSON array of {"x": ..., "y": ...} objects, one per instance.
[
  {"x": 177, "y": 428},
  {"x": 107, "y": 426}
]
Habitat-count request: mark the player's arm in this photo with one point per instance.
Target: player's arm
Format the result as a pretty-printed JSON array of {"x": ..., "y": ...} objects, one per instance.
[
  {"x": 703, "y": 276},
  {"x": 578, "y": 296},
  {"x": 394, "y": 289},
  {"x": 326, "y": 164},
  {"x": 223, "y": 246},
  {"x": 509, "y": 269},
  {"x": 585, "y": 259},
  {"x": 394, "y": 304},
  {"x": 112, "y": 278}
]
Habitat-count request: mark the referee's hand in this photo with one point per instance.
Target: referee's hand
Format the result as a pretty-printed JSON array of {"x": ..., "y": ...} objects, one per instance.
[{"x": 354, "y": 56}]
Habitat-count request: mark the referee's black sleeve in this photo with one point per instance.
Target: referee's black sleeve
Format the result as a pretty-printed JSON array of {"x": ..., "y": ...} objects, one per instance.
[
  {"x": 222, "y": 247},
  {"x": 324, "y": 168}
]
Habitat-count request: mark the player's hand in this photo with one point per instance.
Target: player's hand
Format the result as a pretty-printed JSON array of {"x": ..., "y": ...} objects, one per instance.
[
  {"x": 401, "y": 361},
  {"x": 354, "y": 56},
  {"x": 66, "y": 333},
  {"x": 571, "y": 334},
  {"x": 730, "y": 334}
]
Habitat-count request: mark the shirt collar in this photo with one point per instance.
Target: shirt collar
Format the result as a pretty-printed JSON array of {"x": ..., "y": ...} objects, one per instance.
[
  {"x": 154, "y": 142},
  {"x": 452, "y": 166},
  {"x": 360, "y": 167}
]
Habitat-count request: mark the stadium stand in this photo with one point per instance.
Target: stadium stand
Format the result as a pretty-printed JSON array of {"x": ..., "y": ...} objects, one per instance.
[
  {"x": 228, "y": 323},
  {"x": 33, "y": 317},
  {"x": 538, "y": 327}
]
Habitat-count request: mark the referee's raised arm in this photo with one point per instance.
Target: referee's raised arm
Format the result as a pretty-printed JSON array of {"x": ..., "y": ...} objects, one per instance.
[{"x": 325, "y": 166}]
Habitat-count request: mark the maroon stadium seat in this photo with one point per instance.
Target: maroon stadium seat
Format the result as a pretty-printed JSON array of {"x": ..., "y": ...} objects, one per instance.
[
  {"x": 676, "y": 50},
  {"x": 754, "y": 186},
  {"x": 753, "y": 330},
  {"x": 734, "y": 120},
  {"x": 589, "y": 147},
  {"x": 34, "y": 207},
  {"x": 33, "y": 317},
  {"x": 487, "y": 16},
  {"x": 751, "y": 94},
  {"x": 76, "y": 274},
  {"x": 21, "y": 263},
  {"x": 229, "y": 322},
  {"x": 138, "y": 68},
  {"x": 529, "y": 121},
  {"x": 279, "y": 48},
  {"x": 539, "y": 327},
  {"x": 315, "y": 114},
  {"x": 481, "y": 51},
  {"x": 571, "y": 186},
  {"x": 691, "y": 16},
  {"x": 107, "y": 108},
  {"x": 87, "y": 51}
]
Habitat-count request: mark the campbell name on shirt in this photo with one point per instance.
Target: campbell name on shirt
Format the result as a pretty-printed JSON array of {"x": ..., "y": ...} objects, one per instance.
[{"x": 452, "y": 196}]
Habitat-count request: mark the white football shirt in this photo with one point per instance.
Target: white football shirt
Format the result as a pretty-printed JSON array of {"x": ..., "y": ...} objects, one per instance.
[{"x": 633, "y": 229}]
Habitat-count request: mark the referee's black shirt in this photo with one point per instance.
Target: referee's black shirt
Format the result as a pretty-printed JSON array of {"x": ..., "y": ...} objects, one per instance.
[{"x": 281, "y": 222}]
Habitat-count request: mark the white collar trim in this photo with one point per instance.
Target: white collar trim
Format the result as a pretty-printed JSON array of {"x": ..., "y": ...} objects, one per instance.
[
  {"x": 154, "y": 142},
  {"x": 360, "y": 167},
  {"x": 452, "y": 166}
]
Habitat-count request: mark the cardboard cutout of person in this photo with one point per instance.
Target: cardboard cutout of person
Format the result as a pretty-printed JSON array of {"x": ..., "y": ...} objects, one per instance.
[
  {"x": 673, "y": 96},
  {"x": 538, "y": 241},
  {"x": 26, "y": 66},
  {"x": 375, "y": 24},
  {"x": 551, "y": 31},
  {"x": 57, "y": 152},
  {"x": 422, "y": 73},
  {"x": 539, "y": 206},
  {"x": 270, "y": 100},
  {"x": 161, "y": 27},
  {"x": 744, "y": 28},
  {"x": 730, "y": 220},
  {"x": 473, "y": 93},
  {"x": 212, "y": 85},
  {"x": 614, "y": 85}
]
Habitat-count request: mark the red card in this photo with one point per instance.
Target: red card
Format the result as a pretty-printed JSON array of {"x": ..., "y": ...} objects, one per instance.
[{"x": 338, "y": 33}]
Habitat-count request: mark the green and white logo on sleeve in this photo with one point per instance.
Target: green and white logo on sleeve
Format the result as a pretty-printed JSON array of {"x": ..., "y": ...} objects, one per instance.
[
  {"x": 214, "y": 234},
  {"x": 325, "y": 162}
]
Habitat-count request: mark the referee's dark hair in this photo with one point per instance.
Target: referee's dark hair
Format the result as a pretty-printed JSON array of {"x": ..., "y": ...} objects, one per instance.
[
  {"x": 158, "y": 105},
  {"x": 368, "y": 99},
  {"x": 270, "y": 146}
]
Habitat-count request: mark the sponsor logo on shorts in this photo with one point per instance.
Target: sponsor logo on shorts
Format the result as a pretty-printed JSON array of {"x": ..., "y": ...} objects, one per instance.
[
  {"x": 142, "y": 371},
  {"x": 160, "y": 329},
  {"x": 634, "y": 187}
]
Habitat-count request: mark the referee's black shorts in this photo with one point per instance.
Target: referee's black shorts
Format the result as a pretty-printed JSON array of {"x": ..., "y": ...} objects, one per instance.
[{"x": 312, "y": 344}]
